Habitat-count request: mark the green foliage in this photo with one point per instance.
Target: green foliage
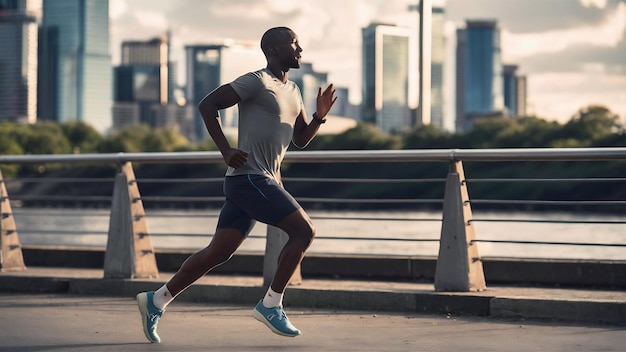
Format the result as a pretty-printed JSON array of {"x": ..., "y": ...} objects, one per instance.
[
  {"x": 363, "y": 136},
  {"x": 142, "y": 138},
  {"x": 592, "y": 123},
  {"x": 82, "y": 137},
  {"x": 41, "y": 138},
  {"x": 593, "y": 126}
]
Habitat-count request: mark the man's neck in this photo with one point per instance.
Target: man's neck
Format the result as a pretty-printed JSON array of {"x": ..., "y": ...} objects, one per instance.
[{"x": 279, "y": 72}]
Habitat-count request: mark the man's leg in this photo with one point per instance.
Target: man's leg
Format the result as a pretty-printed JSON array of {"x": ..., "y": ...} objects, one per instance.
[
  {"x": 269, "y": 310},
  {"x": 224, "y": 244},
  {"x": 300, "y": 229},
  {"x": 152, "y": 304}
]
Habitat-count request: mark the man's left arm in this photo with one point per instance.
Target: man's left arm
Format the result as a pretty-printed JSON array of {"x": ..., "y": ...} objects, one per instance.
[{"x": 303, "y": 131}]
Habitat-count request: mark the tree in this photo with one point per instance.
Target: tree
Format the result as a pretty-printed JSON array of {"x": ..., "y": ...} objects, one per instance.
[
  {"x": 82, "y": 137},
  {"x": 427, "y": 136},
  {"x": 592, "y": 123},
  {"x": 363, "y": 136},
  {"x": 143, "y": 138}
]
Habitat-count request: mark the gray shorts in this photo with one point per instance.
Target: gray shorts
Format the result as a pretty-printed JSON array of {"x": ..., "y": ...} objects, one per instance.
[{"x": 251, "y": 198}]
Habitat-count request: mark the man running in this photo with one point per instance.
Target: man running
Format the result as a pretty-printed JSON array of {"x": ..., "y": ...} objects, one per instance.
[{"x": 271, "y": 116}]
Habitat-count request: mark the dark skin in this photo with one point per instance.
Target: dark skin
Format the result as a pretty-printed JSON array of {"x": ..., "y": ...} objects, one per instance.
[{"x": 282, "y": 52}]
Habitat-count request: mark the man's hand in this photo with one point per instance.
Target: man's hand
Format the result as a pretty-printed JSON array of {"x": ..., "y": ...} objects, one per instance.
[
  {"x": 235, "y": 157},
  {"x": 325, "y": 101}
]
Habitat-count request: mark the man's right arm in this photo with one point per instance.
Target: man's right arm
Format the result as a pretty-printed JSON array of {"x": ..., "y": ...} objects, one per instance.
[{"x": 221, "y": 98}]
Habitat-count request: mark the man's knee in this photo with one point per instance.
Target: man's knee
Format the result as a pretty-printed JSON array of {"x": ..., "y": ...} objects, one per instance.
[{"x": 304, "y": 235}]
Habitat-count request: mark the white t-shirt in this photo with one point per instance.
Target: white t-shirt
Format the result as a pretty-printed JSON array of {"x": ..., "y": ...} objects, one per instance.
[{"x": 267, "y": 112}]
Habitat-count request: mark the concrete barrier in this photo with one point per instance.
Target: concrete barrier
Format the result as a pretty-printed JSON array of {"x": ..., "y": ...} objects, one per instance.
[
  {"x": 129, "y": 252},
  {"x": 459, "y": 266},
  {"x": 11, "y": 258}
]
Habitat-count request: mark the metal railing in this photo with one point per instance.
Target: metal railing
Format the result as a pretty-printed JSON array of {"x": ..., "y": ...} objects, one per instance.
[{"x": 379, "y": 156}]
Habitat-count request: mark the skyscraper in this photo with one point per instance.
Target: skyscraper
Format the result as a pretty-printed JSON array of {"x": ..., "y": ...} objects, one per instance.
[
  {"x": 437, "y": 62},
  {"x": 143, "y": 75},
  {"x": 309, "y": 81},
  {"x": 76, "y": 71},
  {"x": 387, "y": 77},
  {"x": 479, "y": 73},
  {"x": 438, "y": 57},
  {"x": 18, "y": 61},
  {"x": 514, "y": 91},
  {"x": 144, "y": 88},
  {"x": 209, "y": 66}
]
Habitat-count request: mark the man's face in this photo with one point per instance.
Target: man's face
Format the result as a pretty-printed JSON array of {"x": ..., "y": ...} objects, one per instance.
[{"x": 289, "y": 52}]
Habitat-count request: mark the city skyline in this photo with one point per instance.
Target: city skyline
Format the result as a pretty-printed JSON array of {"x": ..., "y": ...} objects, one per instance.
[{"x": 571, "y": 51}]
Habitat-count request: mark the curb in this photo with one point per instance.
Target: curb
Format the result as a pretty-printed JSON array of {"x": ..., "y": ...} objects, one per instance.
[{"x": 392, "y": 301}]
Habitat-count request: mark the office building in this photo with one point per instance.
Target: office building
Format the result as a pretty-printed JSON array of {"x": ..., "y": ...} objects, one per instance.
[
  {"x": 343, "y": 106},
  {"x": 75, "y": 66},
  {"x": 144, "y": 88},
  {"x": 437, "y": 57},
  {"x": 309, "y": 81},
  {"x": 514, "y": 91},
  {"x": 387, "y": 77},
  {"x": 212, "y": 65},
  {"x": 18, "y": 61},
  {"x": 479, "y": 90},
  {"x": 152, "y": 56}
]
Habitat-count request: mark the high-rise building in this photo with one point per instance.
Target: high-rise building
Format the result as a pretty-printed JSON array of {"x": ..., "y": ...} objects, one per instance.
[
  {"x": 514, "y": 91},
  {"x": 154, "y": 56},
  {"x": 309, "y": 81},
  {"x": 76, "y": 68},
  {"x": 387, "y": 77},
  {"x": 144, "y": 88},
  {"x": 18, "y": 60},
  {"x": 437, "y": 57},
  {"x": 479, "y": 73},
  {"x": 210, "y": 66}
]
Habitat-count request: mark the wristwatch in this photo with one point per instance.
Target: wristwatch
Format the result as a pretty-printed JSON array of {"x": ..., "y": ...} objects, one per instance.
[{"x": 317, "y": 118}]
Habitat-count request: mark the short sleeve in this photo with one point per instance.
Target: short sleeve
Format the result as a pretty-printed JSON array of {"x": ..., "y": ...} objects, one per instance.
[{"x": 247, "y": 86}]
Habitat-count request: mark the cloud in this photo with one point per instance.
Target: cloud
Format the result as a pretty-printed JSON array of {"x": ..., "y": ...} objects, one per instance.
[
  {"x": 151, "y": 19},
  {"x": 533, "y": 16},
  {"x": 117, "y": 8},
  {"x": 591, "y": 3},
  {"x": 558, "y": 96},
  {"x": 609, "y": 33}
]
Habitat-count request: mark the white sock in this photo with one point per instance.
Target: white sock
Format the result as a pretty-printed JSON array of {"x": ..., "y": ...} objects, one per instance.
[
  {"x": 162, "y": 297},
  {"x": 273, "y": 299}
]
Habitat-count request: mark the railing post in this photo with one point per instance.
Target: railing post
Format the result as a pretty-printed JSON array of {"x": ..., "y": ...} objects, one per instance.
[
  {"x": 11, "y": 258},
  {"x": 275, "y": 241},
  {"x": 129, "y": 252},
  {"x": 459, "y": 267}
]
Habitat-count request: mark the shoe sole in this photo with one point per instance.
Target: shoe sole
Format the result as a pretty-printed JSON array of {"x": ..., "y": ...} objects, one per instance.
[
  {"x": 258, "y": 316},
  {"x": 142, "y": 303}
]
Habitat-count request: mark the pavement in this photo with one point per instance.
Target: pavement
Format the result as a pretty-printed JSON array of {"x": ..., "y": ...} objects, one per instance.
[{"x": 60, "y": 309}]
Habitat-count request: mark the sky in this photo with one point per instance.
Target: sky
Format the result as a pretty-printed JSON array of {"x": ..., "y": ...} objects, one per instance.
[{"x": 573, "y": 52}]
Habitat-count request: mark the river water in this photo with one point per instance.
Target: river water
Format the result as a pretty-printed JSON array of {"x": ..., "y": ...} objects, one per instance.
[{"x": 378, "y": 232}]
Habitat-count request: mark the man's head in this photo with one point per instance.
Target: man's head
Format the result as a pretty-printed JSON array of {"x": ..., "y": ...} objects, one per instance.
[{"x": 280, "y": 46}]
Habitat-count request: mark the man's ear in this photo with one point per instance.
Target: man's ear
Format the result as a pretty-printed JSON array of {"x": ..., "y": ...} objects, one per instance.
[{"x": 273, "y": 50}]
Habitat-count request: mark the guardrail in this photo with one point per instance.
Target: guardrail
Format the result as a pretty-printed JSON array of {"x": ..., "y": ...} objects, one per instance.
[{"x": 129, "y": 248}]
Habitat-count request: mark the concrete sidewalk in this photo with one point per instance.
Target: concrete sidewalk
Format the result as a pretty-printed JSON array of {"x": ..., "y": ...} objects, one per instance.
[
  {"x": 535, "y": 303},
  {"x": 66, "y": 322}
]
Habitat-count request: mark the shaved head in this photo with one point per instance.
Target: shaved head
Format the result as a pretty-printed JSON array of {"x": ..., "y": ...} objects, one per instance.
[{"x": 272, "y": 37}]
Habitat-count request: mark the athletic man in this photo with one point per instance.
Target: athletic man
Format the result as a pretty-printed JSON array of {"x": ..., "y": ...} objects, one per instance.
[{"x": 271, "y": 116}]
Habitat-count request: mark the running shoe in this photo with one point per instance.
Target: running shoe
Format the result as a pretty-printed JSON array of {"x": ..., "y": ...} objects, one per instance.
[
  {"x": 150, "y": 315},
  {"x": 275, "y": 319}
]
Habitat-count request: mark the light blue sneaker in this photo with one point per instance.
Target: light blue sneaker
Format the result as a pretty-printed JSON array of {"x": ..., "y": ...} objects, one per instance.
[
  {"x": 275, "y": 319},
  {"x": 150, "y": 315}
]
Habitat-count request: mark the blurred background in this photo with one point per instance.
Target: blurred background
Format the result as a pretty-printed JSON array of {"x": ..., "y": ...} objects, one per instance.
[{"x": 119, "y": 63}]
